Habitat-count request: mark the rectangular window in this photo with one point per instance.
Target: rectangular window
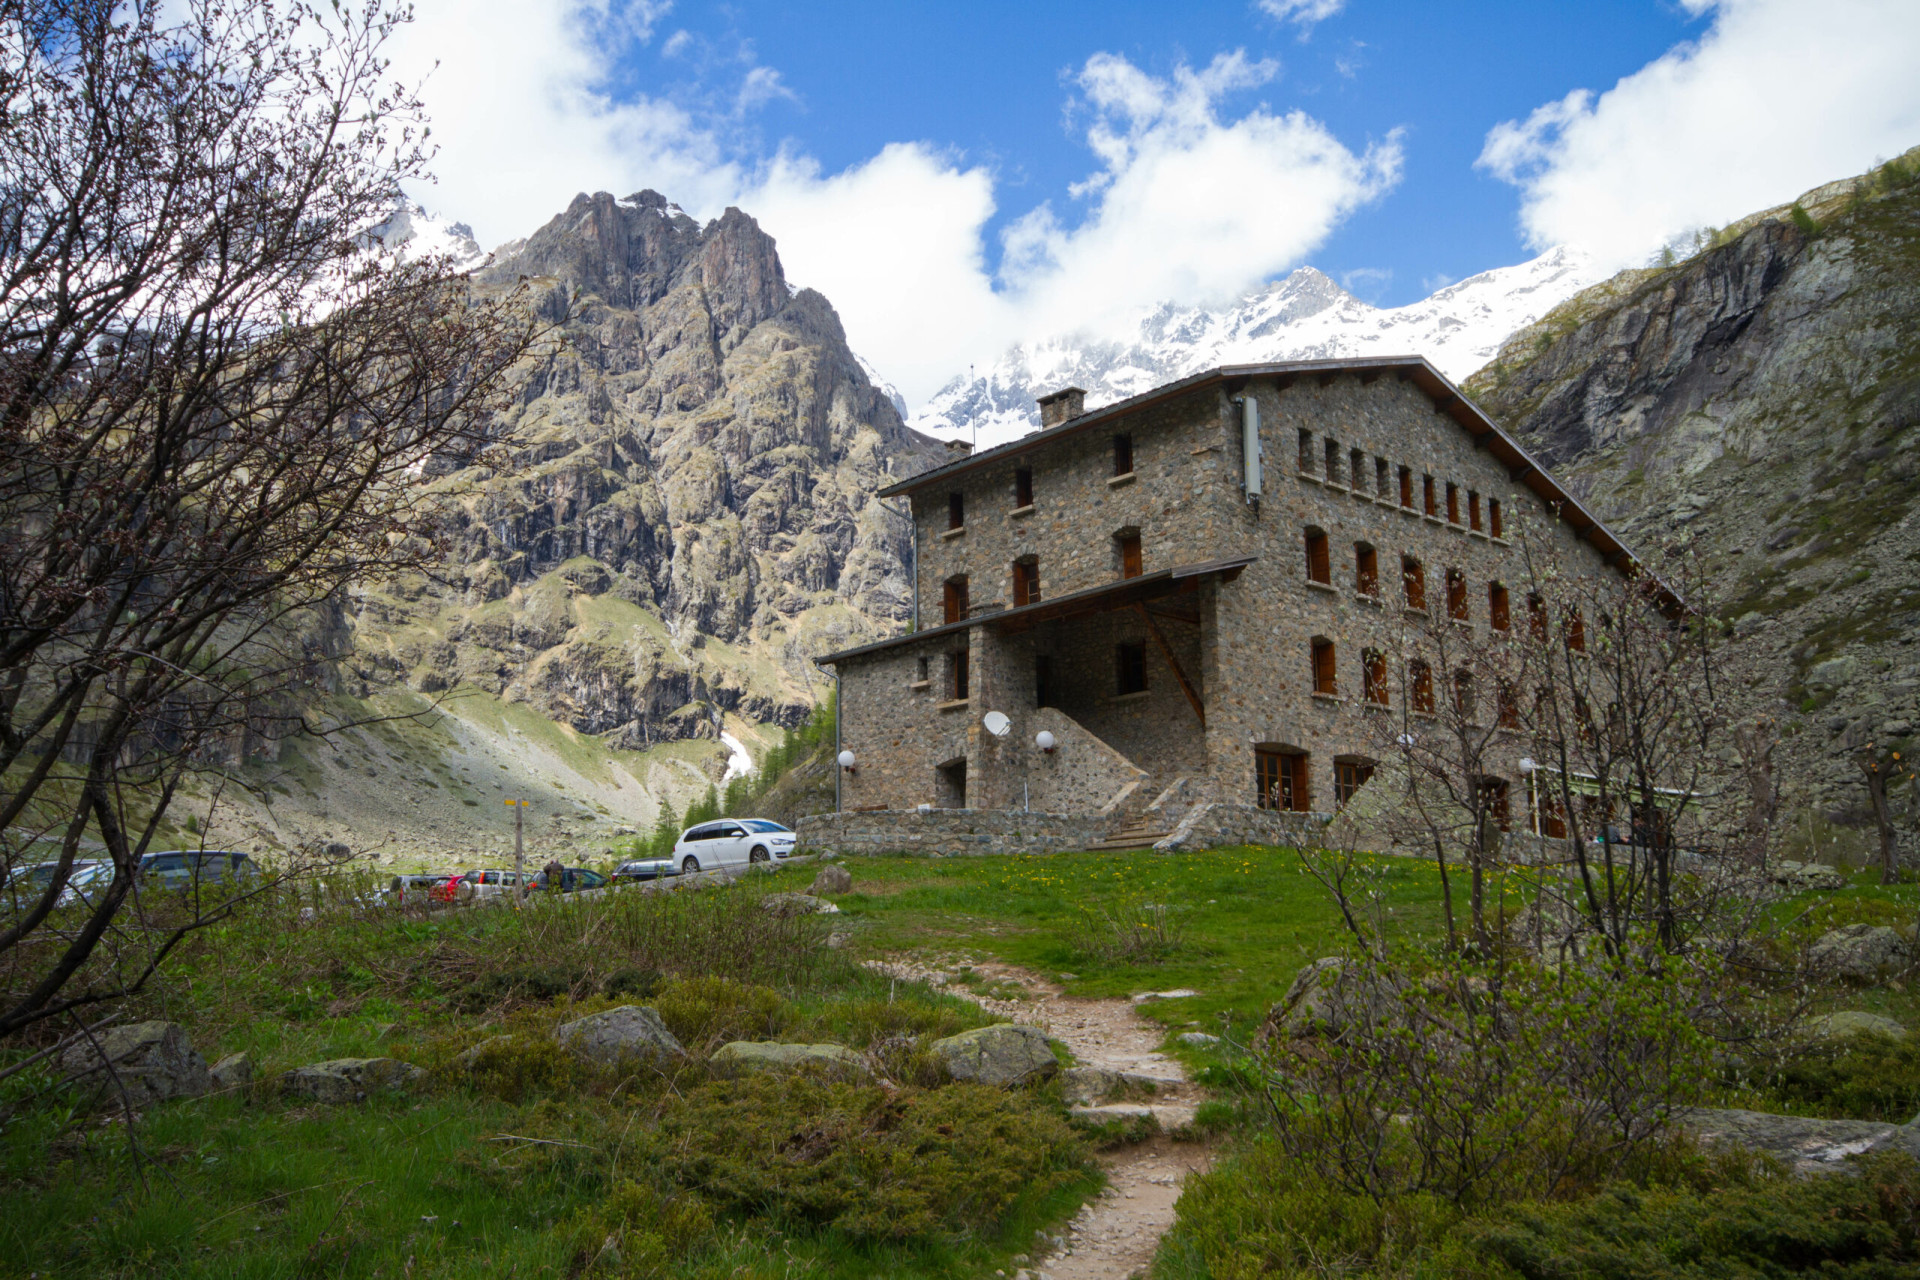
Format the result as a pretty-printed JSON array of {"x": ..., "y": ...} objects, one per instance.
[
  {"x": 1406, "y": 487},
  {"x": 1414, "y": 578},
  {"x": 1497, "y": 606},
  {"x": 1493, "y": 518},
  {"x": 1130, "y": 667},
  {"x": 1357, "y": 470},
  {"x": 1026, "y": 583},
  {"x": 1379, "y": 477},
  {"x": 1325, "y": 678},
  {"x": 1042, "y": 680},
  {"x": 1508, "y": 709},
  {"x": 1023, "y": 487},
  {"x": 1306, "y": 452},
  {"x": 1333, "y": 461},
  {"x": 1130, "y": 561},
  {"x": 1123, "y": 455},
  {"x": 1464, "y": 703},
  {"x": 1457, "y": 595},
  {"x": 1537, "y": 617},
  {"x": 1366, "y": 570},
  {"x": 1420, "y": 687},
  {"x": 954, "y": 601},
  {"x": 1473, "y": 510},
  {"x": 957, "y": 675},
  {"x": 1348, "y": 777},
  {"x": 1493, "y": 801},
  {"x": 956, "y": 511},
  {"x": 923, "y": 677},
  {"x": 1433, "y": 507},
  {"x": 1373, "y": 665},
  {"x": 1576, "y": 631},
  {"x": 1453, "y": 503},
  {"x": 1281, "y": 777},
  {"x": 1318, "y": 569}
]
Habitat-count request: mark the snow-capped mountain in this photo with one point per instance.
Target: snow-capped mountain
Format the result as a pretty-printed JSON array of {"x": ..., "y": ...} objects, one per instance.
[
  {"x": 411, "y": 232},
  {"x": 1303, "y": 317}
]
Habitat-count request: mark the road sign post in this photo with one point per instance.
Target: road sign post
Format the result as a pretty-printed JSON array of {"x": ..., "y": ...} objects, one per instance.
[{"x": 519, "y": 853}]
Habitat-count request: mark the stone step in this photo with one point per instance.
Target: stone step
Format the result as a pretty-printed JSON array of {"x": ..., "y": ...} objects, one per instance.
[{"x": 1131, "y": 839}]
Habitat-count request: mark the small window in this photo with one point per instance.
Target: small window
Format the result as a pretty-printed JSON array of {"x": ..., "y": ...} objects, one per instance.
[
  {"x": 957, "y": 673},
  {"x": 1420, "y": 687},
  {"x": 1357, "y": 470},
  {"x": 1453, "y": 503},
  {"x": 1325, "y": 679},
  {"x": 1130, "y": 667},
  {"x": 1280, "y": 779},
  {"x": 1508, "y": 708},
  {"x": 1433, "y": 507},
  {"x": 1497, "y": 606},
  {"x": 955, "y": 599},
  {"x": 956, "y": 511},
  {"x": 1576, "y": 631},
  {"x": 924, "y": 676},
  {"x": 1128, "y": 545},
  {"x": 1379, "y": 477},
  {"x": 1457, "y": 595},
  {"x": 1493, "y": 518},
  {"x": 1318, "y": 568},
  {"x": 1306, "y": 452},
  {"x": 1042, "y": 680},
  {"x": 1373, "y": 667},
  {"x": 1022, "y": 487},
  {"x": 1406, "y": 487},
  {"x": 1473, "y": 511},
  {"x": 1366, "y": 570},
  {"x": 1349, "y": 775},
  {"x": 1026, "y": 581},
  {"x": 1413, "y": 578},
  {"x": 1333, "y": 461},
  {"x": 1463, "y": 697},
  {"x": 1494, "y": 802},
  {"x": 1537, "y": 617},
  {"x": 1123, "y": 455}
]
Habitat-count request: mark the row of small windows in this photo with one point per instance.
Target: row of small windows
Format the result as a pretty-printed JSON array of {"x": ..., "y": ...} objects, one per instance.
[
  {"x": 1281, "y": 778},
  {"x": 1413, "y": 582},
  {"x": 1363, "y": 475},
  {"x": 1376, "y": 692},
  {"x": 1023, "y": 483},
  {"x": 955, "y": 603}
]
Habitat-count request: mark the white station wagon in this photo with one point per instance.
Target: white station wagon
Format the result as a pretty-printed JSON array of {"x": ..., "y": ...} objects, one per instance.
[{"x": 732, "y": 842}]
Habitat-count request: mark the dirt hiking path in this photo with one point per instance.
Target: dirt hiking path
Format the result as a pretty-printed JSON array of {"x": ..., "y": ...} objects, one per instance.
[{"x": 1114, "y": 1235}]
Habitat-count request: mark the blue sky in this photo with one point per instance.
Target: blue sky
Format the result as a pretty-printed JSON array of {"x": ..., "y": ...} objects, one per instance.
[{"x": 959, "y": 177}]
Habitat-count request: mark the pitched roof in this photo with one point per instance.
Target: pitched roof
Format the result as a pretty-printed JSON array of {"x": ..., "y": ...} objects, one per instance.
[{"x": 1521, "y": 466}]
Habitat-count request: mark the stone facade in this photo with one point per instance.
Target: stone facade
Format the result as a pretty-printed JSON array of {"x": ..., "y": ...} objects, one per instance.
[
  {"x": 1215, "y": 609},
  {"x": 949, "y": 833}
]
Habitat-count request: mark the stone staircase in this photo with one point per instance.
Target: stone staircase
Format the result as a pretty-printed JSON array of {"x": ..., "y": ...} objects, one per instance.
[{"x": 1138, "y": 832}]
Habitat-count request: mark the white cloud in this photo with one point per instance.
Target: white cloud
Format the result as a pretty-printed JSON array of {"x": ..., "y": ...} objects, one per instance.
[
  {"x": 1777, "y": 96},
  {"x": 1181, "y": 204},
  {"x": 1302, "y": 13}
]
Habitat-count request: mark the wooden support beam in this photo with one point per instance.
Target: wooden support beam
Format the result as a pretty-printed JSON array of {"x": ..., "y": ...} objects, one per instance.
[
  {"x": 1166, "y": 651},
  {"x": 1520, "y": 473}
]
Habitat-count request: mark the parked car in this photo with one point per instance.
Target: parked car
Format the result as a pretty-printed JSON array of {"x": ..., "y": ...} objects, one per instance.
[
  {"x": 731, "y": 842},
  {"x": 419, "y": 886},
  {"x": 484, "y": 885},
  {"x": 572, "y": 880},
  {"x": 27, "y": 884},
  {"x": 189, "y": 868},
  {"x": 645, "y": 869}
]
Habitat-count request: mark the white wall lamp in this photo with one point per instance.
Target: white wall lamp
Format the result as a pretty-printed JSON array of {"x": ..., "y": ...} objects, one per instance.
[
  {"x": 846, "y": 761},
  {"x": 1527, "y": 765},
  {"x": 1044, "y": 741}
]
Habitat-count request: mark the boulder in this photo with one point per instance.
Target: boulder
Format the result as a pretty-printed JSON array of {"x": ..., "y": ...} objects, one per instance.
[
  {"x": 1853, "y": 1022},
  {"x": 1197, "y": 1039},
  {"x": 832, "y": 879},
  {"x": 1805, "y": 1145},
  {"x": 1860, "y": 952},
  {"x": 235, "y": 1071},
  {"x": 1086, "y": 1085},
  {"x": 796, "y": 904},
  {"x": 1799, "y": 876},
  {"x": 151, "y": 1062},
  {"x": 349, "y": 1079},
  {"x": 1326, "y": 997},
  {"x": 746, "y": 1056},
  {"x": 1178, "y": 993},
  {"x": 628, "y": 1032},
  {"x": 998, "y": 1055}
]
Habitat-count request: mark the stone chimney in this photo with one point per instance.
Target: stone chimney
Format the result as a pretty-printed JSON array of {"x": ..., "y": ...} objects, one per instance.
[
  {"x": 1061, "y": 406},
  {"x": 958, "y": 450}
]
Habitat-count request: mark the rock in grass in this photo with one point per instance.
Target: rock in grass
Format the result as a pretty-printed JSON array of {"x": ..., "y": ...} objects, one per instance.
[
  {"x": 628, "y": 1032},
  {"x": 235, "y": 1071},
  {"x": 1853, "y": 1022},
  {"x": 1860, "y": 952},
  {"x": 795, "y": 904},
  {"x": 349, "y": 1079},
  {"x": 998, "y": 1055},
  {"x": 745, "y": 1056},
  {"x": 1197, "y": 1039},
  {"x": 1801, "y": 876},
  {"x": 832, "y": 879},
  {"x": 150, "y": 1062}
]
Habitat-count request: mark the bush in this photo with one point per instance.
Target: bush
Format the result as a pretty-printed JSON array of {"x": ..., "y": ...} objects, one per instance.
[
  {"x": 1128, "y": 932},
  {"x": 704, "y": 1013},
  {"x": 636, "y": 1231},
  {"x": 867, "y": 1163},
  {"x": 1862, "y": 1077}
]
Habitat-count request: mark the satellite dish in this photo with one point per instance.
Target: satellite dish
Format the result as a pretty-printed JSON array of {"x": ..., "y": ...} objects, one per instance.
[{"x": 997, "y": 723}]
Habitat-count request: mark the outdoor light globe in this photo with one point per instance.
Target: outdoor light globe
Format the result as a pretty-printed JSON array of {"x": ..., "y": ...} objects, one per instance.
[
  {"x": 846, "y": 759},
  {"x": 1527, "y": 765},
  {"x": 1043, "y": 740}
]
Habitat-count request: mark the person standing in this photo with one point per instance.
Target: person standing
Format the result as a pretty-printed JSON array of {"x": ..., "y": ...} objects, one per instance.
[{"x": 555, "y": 874}]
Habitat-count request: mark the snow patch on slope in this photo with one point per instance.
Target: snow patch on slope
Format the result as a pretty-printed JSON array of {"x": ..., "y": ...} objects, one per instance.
[
  {"x": 740, "y": 763},
  {"x": 1306, "y": 316},
  {"x": 411, "y": 233}
]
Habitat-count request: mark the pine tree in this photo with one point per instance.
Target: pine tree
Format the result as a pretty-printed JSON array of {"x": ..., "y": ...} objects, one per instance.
[{"x": 666, "y": 830}]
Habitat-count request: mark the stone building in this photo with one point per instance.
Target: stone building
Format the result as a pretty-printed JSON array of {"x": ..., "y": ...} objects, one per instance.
[{"x": 1190, "y": 591}]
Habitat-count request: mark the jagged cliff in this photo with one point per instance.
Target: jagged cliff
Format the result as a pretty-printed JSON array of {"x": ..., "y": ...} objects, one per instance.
[
  {"x": 690, "y": 521},
  {"x": 1761, "y": 401}
]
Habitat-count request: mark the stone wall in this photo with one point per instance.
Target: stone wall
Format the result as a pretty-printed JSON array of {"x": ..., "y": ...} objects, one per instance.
[
  {"x": 1083, "y": 774},
  {"x": 1212, "y": 826},
  {"x": 948, "y": 833}
]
